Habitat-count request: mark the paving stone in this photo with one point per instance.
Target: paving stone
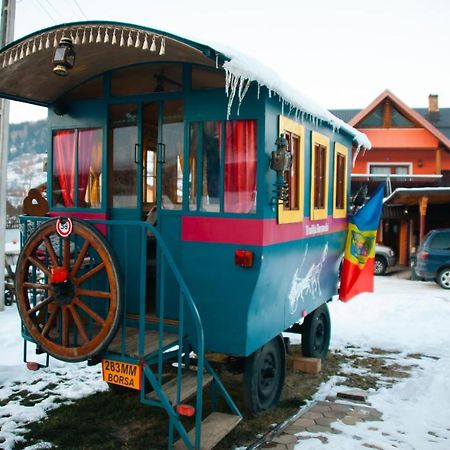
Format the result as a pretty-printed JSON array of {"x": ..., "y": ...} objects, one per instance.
[
  {"x": 285, "y": 439},
  {"x": 312, "y": 415},
  {"x": 335, "y": 414},
  {"x": 341, "y": 407},
  {"x": 349, "y": 420},
  {"x": 320, "y": 408},
  {"x": 325, "y": 421},
  {"x": 303, "y": 422},
  {"x": 294, "y": 430},
  {"x": 353, "y": 394},
  {"x": 318, "y": 429}
]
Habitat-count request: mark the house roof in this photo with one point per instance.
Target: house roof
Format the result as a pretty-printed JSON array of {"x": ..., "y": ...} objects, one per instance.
[{"x": 438, "y": 123}]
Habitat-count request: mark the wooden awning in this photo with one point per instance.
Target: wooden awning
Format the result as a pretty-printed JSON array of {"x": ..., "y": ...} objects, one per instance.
[
  {"x": 26, "y": 68},
  {"x": 412, "y": 196}
]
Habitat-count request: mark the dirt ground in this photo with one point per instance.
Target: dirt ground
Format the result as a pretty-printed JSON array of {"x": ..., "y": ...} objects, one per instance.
[{"x": 109, "y": 420}]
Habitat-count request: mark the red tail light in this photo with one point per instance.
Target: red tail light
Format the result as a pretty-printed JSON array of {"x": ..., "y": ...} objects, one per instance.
[
  {"x": 243, "y": 258},
  {"x": 422, "y": 255}
]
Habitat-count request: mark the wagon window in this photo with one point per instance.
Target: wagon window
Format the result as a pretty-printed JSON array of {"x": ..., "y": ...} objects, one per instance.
[
  {"x": 77, "y": 168},
  {"x": 319, "y": 177},
  {"x": 340, "y": 181},
  {"x": 147, "y": 79},
  {"x": 229, "y": 187},
  {"x": 293, "y": 210},
  {"x": 240, "y": 166},
  {"x": 173, "y": 141},
  {"x": 207, "y": 78}
]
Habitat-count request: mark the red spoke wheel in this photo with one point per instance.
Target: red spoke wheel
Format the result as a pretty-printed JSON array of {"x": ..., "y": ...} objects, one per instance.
[{"x": 68, "y": 289}]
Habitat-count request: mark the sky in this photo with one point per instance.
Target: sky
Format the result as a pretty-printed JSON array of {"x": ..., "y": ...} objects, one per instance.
[{"x": 342, "y": 54}]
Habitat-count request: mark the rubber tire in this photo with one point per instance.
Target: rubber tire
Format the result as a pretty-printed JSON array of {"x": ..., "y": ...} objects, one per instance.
[
  {"x": 316, "y": 333},
  {"x": 380, "y": 266},
  {"x": 262, "y": 389},
  {"x": 443, "y": 278}
]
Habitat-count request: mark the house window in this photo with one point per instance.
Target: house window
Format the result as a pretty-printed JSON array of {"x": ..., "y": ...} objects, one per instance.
[
  {"x": 295, "y": 134},
  {"x": 319, "y": 176},
  {"x": 232, "y": 190},
  {"x": 389, "y": 169},
  {"x": 77, "y": 168},
  {"x": 340, "y": 181}
]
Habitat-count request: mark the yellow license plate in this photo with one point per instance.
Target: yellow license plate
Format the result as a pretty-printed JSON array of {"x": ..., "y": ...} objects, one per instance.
[{"x": 123, "y": 374}]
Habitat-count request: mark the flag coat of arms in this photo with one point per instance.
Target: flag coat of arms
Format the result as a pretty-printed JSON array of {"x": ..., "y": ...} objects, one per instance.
[{"x": 357, "y": 272}]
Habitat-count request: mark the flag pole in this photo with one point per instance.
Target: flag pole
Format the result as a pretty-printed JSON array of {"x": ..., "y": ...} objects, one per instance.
[{"x": 6, "y": 36}]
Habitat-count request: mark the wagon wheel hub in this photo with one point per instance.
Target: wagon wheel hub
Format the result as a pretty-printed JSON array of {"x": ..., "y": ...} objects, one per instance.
[{"x": 68, "y": 291}]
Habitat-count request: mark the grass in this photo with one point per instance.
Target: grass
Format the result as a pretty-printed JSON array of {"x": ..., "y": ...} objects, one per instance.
[{"x": 109, "y": 420}]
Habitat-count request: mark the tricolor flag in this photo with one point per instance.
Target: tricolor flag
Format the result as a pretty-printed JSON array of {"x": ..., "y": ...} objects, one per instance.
[{"x": 358, "y": 267}]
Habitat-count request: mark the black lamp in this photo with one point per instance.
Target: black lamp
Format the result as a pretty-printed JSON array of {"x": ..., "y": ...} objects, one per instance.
[{"x": 64, "y": 57}]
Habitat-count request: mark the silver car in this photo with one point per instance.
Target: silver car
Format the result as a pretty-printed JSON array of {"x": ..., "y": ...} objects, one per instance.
[{"x": 384, "y": 258}]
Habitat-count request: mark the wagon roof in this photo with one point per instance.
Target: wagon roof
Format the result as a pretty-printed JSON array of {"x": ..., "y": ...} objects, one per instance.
[{"x": 26, "y": 66}]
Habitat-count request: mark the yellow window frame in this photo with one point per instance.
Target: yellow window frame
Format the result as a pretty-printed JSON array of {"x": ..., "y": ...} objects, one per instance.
[
  {"x": 317, "y": 138},
  {"x": 339, "y": 213},
  {"x": 293, "y": 216}
]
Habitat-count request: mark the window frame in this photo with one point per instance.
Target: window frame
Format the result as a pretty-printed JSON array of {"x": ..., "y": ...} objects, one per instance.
[
  {"x": 319, "y": 139},
  {"x": 294, "y": 215},
  {"x": 339, "y": 149}
]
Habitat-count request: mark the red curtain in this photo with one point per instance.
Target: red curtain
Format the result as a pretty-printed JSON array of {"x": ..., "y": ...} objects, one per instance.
[
  {"x": 240, "y": 166},
  {"x": 64, "y": 164},
  {"x": 85, "y": 149}
]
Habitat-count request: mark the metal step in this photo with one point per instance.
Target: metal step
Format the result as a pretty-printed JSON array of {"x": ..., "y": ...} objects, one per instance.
[
  {"x": 214, "y": 428},
  {"x": 188, "y": 387}
]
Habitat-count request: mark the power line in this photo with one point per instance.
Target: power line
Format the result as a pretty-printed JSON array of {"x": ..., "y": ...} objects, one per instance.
[
  {"x": 81, "y": 11},
  {"x": 45, "y": 10}
]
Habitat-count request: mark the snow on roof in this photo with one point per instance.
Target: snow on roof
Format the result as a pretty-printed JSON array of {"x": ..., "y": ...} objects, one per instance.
[{"x": 242, "y": 69}]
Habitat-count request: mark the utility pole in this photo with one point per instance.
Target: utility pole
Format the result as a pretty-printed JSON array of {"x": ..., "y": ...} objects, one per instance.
[{"x": 6, "y": 36}]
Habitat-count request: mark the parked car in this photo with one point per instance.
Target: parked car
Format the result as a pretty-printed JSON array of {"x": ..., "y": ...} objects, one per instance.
[
  {"x": 384, "y": 258},
  {"x": 433, "y": 257}
]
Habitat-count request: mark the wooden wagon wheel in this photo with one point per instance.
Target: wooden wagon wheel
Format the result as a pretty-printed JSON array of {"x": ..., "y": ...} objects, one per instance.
[{"x": 68, "y": 289}]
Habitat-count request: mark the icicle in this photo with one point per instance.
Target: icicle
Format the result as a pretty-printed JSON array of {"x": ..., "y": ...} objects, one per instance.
[
  {"x": 114, "y": 38},
  {"x": 91, "y": 37},
  {"x": 122, "y": 40},
  {"x": 130, "y": 39},
  {"x": 16, "y": 57},
  {"x": 106, "y": 40},
  {"x": 34, "y": 49},
  {"x": 258, "y": 91},
  {"x": 4, "y": 62},
  {"x": 83, "y": 39},
  {"x": 217, "y": 61},
  {"x": 27, "y": 53},
  {"x": 55, "y": 40},
  {"x": 138, "y": 41},
  {"x": 282, "y": 108},
  {"x": 22, "y": 54},
  {"x": 244, "y": 84},
  {"x": 99, "y": 36},
  {"x": 162, "y": 50},
  {"x": 72, "y": 37},
  {"x": 153, "y": 46},
  {"x": 47, "y": 41},
  {"x": 231, "y": 91},
  {"x": 145, "y": 45},
  {"x": 11, "y": 61},
  {"x": 77, "y": 38},
  {"x": 41, "y": 44}
]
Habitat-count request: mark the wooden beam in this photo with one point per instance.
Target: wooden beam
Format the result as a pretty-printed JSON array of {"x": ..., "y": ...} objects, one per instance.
[{"x": 423, "y": 203}]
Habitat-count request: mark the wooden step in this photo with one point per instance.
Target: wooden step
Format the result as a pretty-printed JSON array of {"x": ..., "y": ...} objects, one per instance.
[
  {"x": 151, "y": 341},
  {"x": 214, "y": 428},
  {"x": 188, "y": 387}
]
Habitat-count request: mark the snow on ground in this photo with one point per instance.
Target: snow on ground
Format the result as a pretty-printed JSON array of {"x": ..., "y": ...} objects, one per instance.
[
  {"x": 408, "y": 317},
  {"x": 401, "y": 316}
]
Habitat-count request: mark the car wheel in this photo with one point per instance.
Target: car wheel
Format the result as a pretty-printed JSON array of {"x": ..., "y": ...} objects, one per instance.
[
  {"x": 380, "y": 265},
  {"x": 443, "y": 278},
  {"x": 316, "y": 332}
]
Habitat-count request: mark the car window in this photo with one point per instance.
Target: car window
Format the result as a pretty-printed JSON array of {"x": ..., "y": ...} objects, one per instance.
[{"x": 441, "y": 241}]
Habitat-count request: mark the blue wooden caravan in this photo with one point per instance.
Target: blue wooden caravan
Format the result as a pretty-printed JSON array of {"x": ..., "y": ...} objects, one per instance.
[{"x": 195, "y": 208}]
